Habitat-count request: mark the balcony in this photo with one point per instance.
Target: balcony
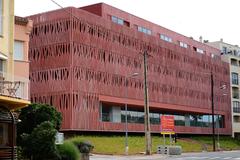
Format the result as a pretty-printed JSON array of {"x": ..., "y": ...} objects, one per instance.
[
  {"x": 19, "y": 88},
  {"x": 15, "y": 89}
]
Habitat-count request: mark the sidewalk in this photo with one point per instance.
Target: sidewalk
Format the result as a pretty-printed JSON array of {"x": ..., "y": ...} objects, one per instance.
[{"x": 131, "y": 157}]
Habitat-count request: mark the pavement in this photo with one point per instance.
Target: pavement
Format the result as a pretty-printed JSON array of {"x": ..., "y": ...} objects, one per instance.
[{"x": 223, "y": 155}]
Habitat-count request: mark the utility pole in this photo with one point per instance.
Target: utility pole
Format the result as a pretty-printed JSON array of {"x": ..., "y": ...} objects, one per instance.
[
  {"x": 146, "y": 109},
  {"x": 213, "y": 125}
]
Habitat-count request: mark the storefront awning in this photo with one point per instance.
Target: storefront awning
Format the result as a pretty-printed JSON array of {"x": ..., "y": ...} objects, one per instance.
[{"x": 13, "y": 103}]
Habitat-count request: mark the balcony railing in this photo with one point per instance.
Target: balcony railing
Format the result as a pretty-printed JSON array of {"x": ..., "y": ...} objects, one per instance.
[
  {"x": 13, "y": 89},
  {"x": 17, "y": 88}
]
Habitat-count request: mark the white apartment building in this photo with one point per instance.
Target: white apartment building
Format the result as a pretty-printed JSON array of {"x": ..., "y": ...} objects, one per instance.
[{"x": 231, "y": 55}]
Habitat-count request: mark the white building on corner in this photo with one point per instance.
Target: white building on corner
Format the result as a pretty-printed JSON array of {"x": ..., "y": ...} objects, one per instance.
[{"x": 231, "y": 55}]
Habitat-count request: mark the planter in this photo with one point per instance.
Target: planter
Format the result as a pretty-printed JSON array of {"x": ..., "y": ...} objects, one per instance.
[{"x": 84, "y": 156}]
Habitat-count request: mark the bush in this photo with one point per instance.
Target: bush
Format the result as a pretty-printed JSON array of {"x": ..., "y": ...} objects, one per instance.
[
  {"x": 68, "y": 151},
  {"x": 41, "y": 143},
  {"x": 84, "y": 146}
]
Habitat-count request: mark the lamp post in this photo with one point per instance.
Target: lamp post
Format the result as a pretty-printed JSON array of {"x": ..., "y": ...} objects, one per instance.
[
  {"x": 213, "y": 124},
  {"x": 126, "y": 111}
]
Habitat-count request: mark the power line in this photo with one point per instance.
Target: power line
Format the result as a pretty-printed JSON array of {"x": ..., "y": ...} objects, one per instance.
[{"x": 65, "y": 10}]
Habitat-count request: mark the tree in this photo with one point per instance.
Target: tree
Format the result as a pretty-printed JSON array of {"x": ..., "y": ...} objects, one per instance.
[
  {"x": 40, "y": 144},
  {"x": 36, "y": 131},
  {"x": 34, "y": 115}
]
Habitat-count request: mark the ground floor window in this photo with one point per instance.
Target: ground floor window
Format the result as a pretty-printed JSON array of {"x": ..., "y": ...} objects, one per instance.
[{"x": 117, "y": 113}]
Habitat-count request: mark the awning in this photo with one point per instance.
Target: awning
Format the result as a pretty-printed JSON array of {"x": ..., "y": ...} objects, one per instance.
[
  {"x": 13, "y": 103},
  {"x": 3, "y": 56}
]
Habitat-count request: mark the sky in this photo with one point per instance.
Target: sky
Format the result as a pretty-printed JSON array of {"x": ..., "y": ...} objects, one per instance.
[{"x": 211, "y": 19}]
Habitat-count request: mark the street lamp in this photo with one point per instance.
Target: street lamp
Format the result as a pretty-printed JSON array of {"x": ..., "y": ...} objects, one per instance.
[
  {"x": 213, "y": 124},
  {"x": 126, "y": 111}
]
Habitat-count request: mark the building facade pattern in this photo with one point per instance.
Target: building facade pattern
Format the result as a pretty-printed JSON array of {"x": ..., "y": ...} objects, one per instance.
[{"x": 81, "y": 61}]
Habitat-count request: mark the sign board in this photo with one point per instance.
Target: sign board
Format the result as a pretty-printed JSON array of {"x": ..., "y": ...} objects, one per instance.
[
  {"x": 167, "y": 125},
  {"x": 59, "y": 138}
]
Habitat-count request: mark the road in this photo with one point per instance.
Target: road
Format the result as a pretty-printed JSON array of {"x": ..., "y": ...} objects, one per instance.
[{"x": 227, "y": 155}]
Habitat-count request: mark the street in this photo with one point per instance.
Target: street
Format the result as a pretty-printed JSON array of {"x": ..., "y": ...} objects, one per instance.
[{"x": 226, "y": 155}]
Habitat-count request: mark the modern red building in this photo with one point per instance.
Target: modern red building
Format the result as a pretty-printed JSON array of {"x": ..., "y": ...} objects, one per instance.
[{"x": 82, "y": 60}]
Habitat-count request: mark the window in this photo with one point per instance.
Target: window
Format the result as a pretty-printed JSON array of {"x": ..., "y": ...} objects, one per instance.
[
  {"x": 234, "y": 62},
  {"x": 235, "y": 93},
  {"x": 1, "y": 17},
  {"x": 166, "y": 38},
  {"x": 200, "y": 51},
  {"x": 236, "y": 107},
  {"x": 117, "y": 20},
  {"x": 234, "y": 78},
  {"x": 18, "y": 50},
  {"x": 182, "y": 44},
  {"x": 144, "y": 30},
  {"x": 224, "y": 50},
  {"x": 106, "y": 111}
]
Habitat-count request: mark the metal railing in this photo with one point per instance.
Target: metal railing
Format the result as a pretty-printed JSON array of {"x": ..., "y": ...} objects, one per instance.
[{"x": 17, "y": 88}]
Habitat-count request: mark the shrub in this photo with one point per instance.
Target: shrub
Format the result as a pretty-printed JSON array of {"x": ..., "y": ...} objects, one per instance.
[
  {"x": 68, "y": 151},
  {"x": 83, "y": 146},
  {"x": 41, "y": 143}
]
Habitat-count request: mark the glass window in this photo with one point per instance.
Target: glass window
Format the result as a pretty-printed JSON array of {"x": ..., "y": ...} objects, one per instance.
[
  {"x": 165, "y": 38},
  {"x": 179, "y": 120},
  {"x": 234, "y": 78},
  {"x": 149, "y": 32},
  {"x": 235, "y": 92},
  {"x": 106, "y": 111},
  {"x": 206, "y": 121},
  {"x": 182, "y": 44},
  {"x": 117, "y": 20},
  {"x": 1, "y": 66},
  {"x": 1, "y": 17},
  {"x": 144, "y": 30},
  {"x": 114, "y": 19},
  {"x": 18, "y": 50},
  {"x": 236, "y": 107},
  {"x": 120, "y": 21},
  {"x": 200, "y": 51},
  {"x": 224, "y": 50},
  {"x": 234, "y": 62}
]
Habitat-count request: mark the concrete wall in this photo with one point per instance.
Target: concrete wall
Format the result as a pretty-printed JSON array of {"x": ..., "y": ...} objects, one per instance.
[
  {"x": 21, "y": 67},
  {"x": 6, "y": 41}
]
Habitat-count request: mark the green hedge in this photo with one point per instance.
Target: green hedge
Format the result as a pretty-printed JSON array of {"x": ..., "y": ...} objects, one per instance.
[{"x": 68, "y": 151}]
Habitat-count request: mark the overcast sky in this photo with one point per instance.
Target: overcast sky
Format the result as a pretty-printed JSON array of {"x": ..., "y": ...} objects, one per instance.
[{"x": 211, "y": 19}]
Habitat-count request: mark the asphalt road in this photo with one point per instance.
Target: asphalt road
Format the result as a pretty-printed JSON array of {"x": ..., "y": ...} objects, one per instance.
[{"x": 227, "y": 155}]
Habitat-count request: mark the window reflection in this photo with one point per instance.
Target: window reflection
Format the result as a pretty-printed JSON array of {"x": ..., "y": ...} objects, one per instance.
[{"x": 137, "y": 116}]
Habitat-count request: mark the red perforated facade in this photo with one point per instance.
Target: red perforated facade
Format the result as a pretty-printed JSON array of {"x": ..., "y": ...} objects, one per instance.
[{"x": 81, "y": 60}]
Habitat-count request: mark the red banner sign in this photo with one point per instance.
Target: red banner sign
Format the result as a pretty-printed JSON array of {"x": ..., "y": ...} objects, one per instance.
[{"x": 167, "y": 125}]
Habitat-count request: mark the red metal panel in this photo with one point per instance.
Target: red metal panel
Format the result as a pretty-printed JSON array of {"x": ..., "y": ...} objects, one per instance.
[{"x": 75, "y": 63}]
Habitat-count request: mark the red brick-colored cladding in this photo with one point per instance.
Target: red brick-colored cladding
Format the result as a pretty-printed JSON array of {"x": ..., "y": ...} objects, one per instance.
[
  {"x": 75, "y": 62},
  {"x": 106, "y": 11}
]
